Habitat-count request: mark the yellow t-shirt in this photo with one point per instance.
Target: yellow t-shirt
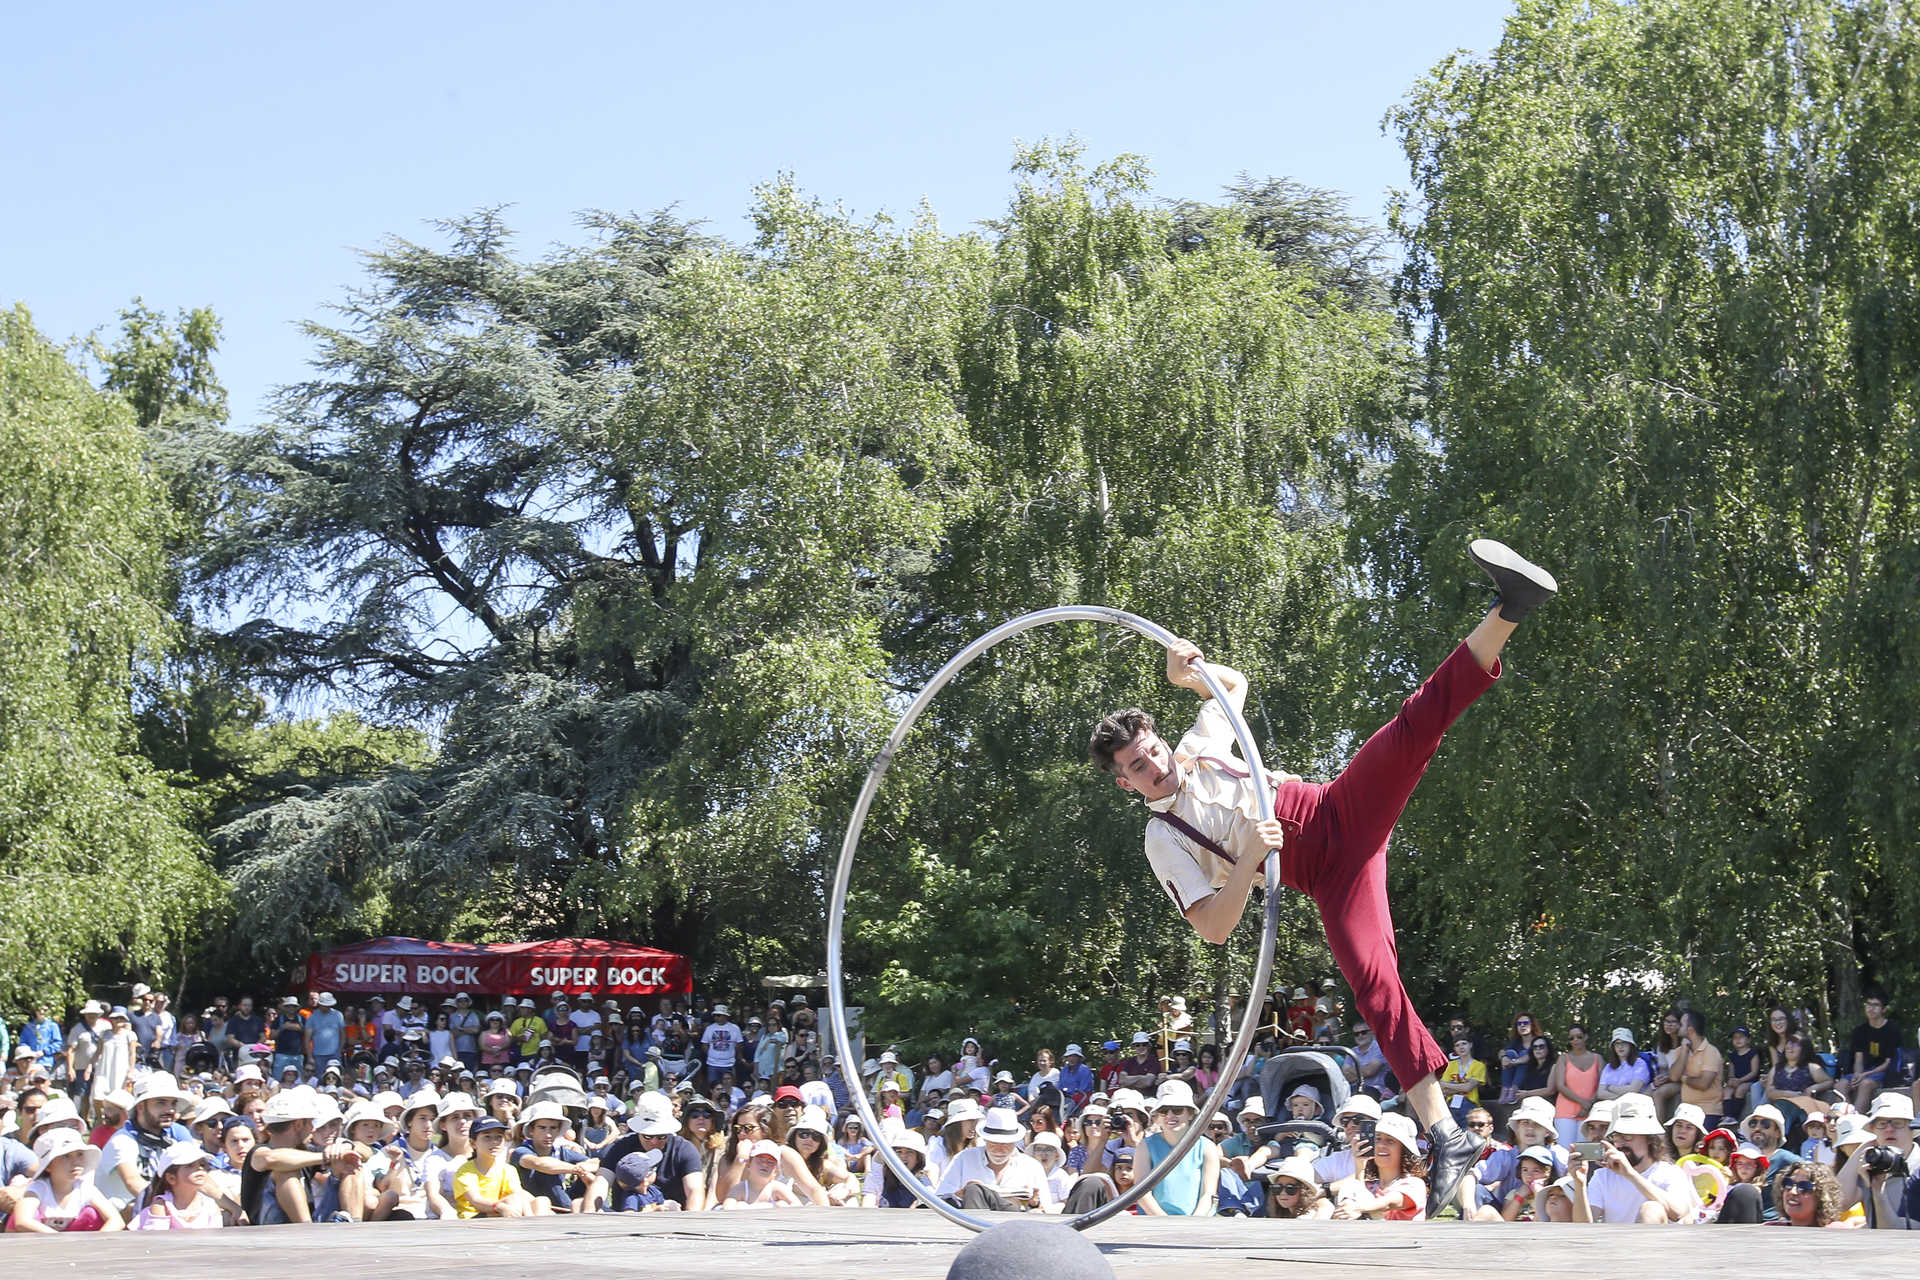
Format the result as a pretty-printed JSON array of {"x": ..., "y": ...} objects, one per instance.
[
  {"x": 528, "y": 1033},
  {"x": 495, "y": 1186},
  {"x": 1476, "y": 1071}
]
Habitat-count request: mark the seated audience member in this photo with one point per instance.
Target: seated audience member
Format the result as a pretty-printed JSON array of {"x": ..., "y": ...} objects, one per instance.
[
  {"x": 276, "y": 1182},
  {"x": 1872, "y": 1052},
  {"x": 996, "y": 1176},
  {"x": 1516, "y": 1053},
  {"x": 1687, "y": 1130},
  {"x": 761, "y": 1187},
  {"x": 883, "y": 1189},
  {"x": 548, "y": 1167},
  {"x": 1534, "y": 1169},
  {"x": 1355, "y": 1115},
  {"x": 653, "y": 1128},
  {"x": 1391, "y": 1184},
  {"x": 1294, "y": 1191},
  {"x": 1625, "y": 1070},
  {"x": 1885, "y": 1136},
  {"x": 1808, "y": 1195},
  {"x": 636, "y": 1185},
  {"x": 182, "y": 1196},
  {"x": 1193, "y": 1187},
  {"x": 1497, "y": 1175},
  {"x": 1555, "y": 1202},
  {"x": 1792, "y": 1084},
  {"x": 1464, "y": 1075},
  {"x": 62, "y": 1196},
  {"x": 1637, "y": 1182},
  {"x": 1746, "y": 1063},
  {"x": 1818, "y": 1144},
  {"x": 810, "y": 1140},
  {"x": 129, "y": 1157},
  {"x": 1535, "y": 1076},
  {"x": 487, "y": 1186}
]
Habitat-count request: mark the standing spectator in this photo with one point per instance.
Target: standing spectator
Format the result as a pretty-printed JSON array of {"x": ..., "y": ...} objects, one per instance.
[
  {"x": 466, "y": 1031},
  {"x": 41, "y": 1034},
  {"x": 1076, "y": 1079},
  {"x": 113, "y": 1064},
  {"x": 359, "y": 1036},
  {"x": 83, "y": 1049},
  {"x": 1698, "y": 1070},
  {"x": 528, "y": 1030},
  {"x": 720, "y": 1041},
  {"x": 289, "y": 1039},
  {"x": 1871, "y": 1052},
  {"x": 141, "y": 1018},
  {"x": 1664, "y": 1085},
  {"x": 495, "y": 1045},
  {"x": 586, "y": 1021},
  {"x": 325, "y": 1032},
  {"x": 166, "y": 1030},
  {"x": 440, "y": 1038},
  {"x": 769, "y": 1051},
  {"x": 245, "y": 1028}
]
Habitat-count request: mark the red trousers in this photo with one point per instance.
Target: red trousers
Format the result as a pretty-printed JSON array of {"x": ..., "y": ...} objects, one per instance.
[{"x": 1336, "y": 853}]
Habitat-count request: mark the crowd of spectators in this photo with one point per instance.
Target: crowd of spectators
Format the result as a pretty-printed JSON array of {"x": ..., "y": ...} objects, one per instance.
[{"x": 327, "y": 1110}]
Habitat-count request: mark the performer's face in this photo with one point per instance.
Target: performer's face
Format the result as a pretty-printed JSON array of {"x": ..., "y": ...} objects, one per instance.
[{"x": 1145, "y": 765}]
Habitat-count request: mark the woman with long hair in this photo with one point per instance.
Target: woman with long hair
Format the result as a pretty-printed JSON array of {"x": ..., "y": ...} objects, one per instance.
[
  {"x": 1664, "y": 1088},
  {"x": 816, "y": 1174},
  {"x": 1536, "y": 1073},
  {"x": 1575, "y": 1084},
  {"x": 1294, "y": 1191},
  {"x": 1625, "y": 1071},
  {"x": 882, "y": 1190},
  {"x": 1391, "y": 1185},
  {"x": 1791, "y": 1084},
  {"x": 1513, "y": 1058},
  {"x": 1192, "y": 1189},
  {"x": 1206, "y": 1071},
  {"x": 749, "y": 1124},
  {"x": 698, "y": 1125},
  {"x": 1808, "y": 1195}
]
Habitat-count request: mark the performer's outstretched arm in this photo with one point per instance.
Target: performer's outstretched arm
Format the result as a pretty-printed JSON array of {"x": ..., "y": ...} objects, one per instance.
[
  {"x": 1184, "y": 660},
  {"x": 1215, "y": 915}
]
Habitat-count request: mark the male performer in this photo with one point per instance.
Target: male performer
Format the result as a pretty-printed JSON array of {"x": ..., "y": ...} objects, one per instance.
[{"x": 1208, "y": 842}]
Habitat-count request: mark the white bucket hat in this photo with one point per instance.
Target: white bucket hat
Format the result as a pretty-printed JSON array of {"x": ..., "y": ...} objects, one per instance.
[
  {"x": 160, "y": 1084},
  {"x": 368, "y": 1111},
  {"x": 1892, "y": 1104},
  {"x": 453, "y": 1104},
  {"x": 653, "y": 1116},
  {"x": 1175, "y": 1093},
  {"x": 909, "y": 1140},
  {"x": 1538, "y": 1110},
  {"x": 1075, "y": 1051},
  {"x": 1600, "y": 1112},
  {"x": 1691, "y": 1113},
  {"x": 1401, "y": 1129},
  {"x": 1127, "y": 1100},
  {"x": 179, "y": 1153},
  {"x": 1634, "y": 1113},
  {"x": 1362, "y": 1105},
  {"x": 60, "y": 1142},
  {"x": 541, "y": 1111},
  {"x": 1767, "y": 1111},
  {"x": 1001, "y": 1125},
  {"x": 58, "y": 1109},
  {"x": 287, "y": 1105},
  {"x": 1255, "y": 1109},
  {"x": 963, "y": 1109},
  {"x": 813, "y": 1120}
]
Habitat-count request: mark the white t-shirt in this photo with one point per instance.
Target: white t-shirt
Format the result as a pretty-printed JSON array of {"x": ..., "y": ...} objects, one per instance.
[
  {"x": 720, "y": 1039},
  {"x": 1615, "y": 1199},
  {"x": 1050, "y": 1076},
  {"x": 939, "y": 1084},
  {"x": 121, "y": 1148},
  {"x": 1021, "y": 1173},
  {"x": 1334, "y": 1167},
  {"x": 586, "y": 1022}
]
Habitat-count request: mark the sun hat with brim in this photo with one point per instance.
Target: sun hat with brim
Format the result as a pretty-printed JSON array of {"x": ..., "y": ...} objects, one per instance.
[
  {"x": 453, "y": 1104},
  {"x": 420, "y": 1098},
  {"x": 1538, "y": 1110},
  {"x": 1127, "y": 1100},
  {"x": 1254, "y": 1109},
  {"x": 1300, "y": 1169},
  {"x": 1623, "y": 1033},
  {"x": 1600, "y": 1112},
  {"x": 1045, "y": 1139},
  {"x": 1141, "y": 1037},
  {"x": 61, "y": 1142},
  {"x": 285, "y": 1107},
  {"x": 365, "y": 1112},
  {"x": 541, "y": 1111},
  {"x": 1692, "y": 1114},
  {"x": 1728, "y": 1134},
  {"x": 1892, "y": 1104},
  {"x": 1308, "y": 1092},
  {"x": 909, "y": 1140},
  {"x": 964, "y": 1109},
  {"x": 1541, "y": 1154},
  {"x": 325, "y": 1111},
  {"x": 1005, "y": 1077},
  {"x": 118, "y": 1098},
  {"x": 1851, "y": 1133},
  {"x": 1361, "y": 1105},
  {"x": 1001, "y": 1125},
  {"x": 1174, "y": 1093},
  {"x": 158, "y": 1085},
  {"x": 180, "y": 1153},
  {"x": 813, "y": 1120},
  {"x": 1633, "y": 1113},
  {"x": 1401, "y": 1130},
  {"x": 1765, "y": 1111},
  {"x": 1075, "y": 1051},
  {"x": 58, "y": 1109},
  {"x": 1747, "y": 1151}
]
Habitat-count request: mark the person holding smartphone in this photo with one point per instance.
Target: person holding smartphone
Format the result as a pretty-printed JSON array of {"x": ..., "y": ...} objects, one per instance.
[{"x": 1634, "y": 1181}]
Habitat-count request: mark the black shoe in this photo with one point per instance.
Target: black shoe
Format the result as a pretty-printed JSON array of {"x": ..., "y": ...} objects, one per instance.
[
  {"x": 1523, "y": 585},
  {"x": 1453, "y": 1160}
]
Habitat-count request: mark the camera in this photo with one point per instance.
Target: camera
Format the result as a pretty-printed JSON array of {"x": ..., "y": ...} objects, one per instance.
[{"x": 1876, "y": 1161}]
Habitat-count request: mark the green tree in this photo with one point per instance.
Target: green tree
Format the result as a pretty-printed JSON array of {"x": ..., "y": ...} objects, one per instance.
[
  {"x": 1667, "y": 258},
  {"x": 1171, "y": 408},
  {"x": 102, "y": 871}
]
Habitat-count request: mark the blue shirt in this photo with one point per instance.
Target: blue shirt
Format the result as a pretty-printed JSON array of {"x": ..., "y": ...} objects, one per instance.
[
  {"x": 326, "y": 1026},
  {"x": 43, "y": 1037},
  {"x": 1076, "y": 1079}
]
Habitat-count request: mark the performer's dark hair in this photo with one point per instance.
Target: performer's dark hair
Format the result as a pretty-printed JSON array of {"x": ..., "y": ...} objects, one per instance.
[{"x": 1112, "y": 734}]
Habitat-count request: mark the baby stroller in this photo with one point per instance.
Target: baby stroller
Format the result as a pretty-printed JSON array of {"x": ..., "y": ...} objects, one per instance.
[{"x": 1317, "y": 1065}]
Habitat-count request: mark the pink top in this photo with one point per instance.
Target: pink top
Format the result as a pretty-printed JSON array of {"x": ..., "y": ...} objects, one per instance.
[{"x": 1580, "y": 1082}]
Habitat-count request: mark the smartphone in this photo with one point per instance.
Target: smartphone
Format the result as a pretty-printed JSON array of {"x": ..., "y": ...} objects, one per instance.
[{"x": 1593, "y": 1152}]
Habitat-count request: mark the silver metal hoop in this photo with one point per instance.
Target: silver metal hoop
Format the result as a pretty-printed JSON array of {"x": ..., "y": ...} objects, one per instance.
[{"x": 843, "y": 875}]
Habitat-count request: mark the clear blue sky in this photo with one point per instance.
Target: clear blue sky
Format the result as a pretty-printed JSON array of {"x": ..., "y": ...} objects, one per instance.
[{"x": 236, "y": 155}]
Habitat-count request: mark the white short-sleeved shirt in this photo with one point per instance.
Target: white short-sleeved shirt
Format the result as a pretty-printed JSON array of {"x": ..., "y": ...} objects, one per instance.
[
  {"x": 1021, "y": 1173},
  {"x": 1215, "y": 796},
  {"x": 1615, "y": 1199}
]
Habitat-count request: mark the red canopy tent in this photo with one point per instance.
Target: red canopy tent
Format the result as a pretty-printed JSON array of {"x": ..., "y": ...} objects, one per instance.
[{"x": 572, "y": 965}]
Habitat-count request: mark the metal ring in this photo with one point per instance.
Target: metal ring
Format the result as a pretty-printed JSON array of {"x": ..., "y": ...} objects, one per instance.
[{"x": 836, "y": 915}]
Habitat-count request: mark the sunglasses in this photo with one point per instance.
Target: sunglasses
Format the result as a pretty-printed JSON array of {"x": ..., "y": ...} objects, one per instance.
[
  {"x": 1288, "y": 1188},
  {"x": 1805, "y": 1186}
]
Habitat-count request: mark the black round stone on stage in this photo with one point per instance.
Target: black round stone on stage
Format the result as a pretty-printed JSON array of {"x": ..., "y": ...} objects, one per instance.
[{"x": 1025, "y": 1250}]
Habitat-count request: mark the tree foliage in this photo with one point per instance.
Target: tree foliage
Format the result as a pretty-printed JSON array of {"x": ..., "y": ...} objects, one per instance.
[
  {"x": 99, "y": 863},
  {"x": 1668, "y": 256}
]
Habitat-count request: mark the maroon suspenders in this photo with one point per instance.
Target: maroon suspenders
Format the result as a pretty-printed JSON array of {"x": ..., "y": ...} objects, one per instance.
[{"x": 1194, "y": 834}]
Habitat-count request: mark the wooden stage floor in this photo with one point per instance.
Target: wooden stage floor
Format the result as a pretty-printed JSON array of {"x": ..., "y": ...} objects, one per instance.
[{"x": 916, "y": 1245}]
